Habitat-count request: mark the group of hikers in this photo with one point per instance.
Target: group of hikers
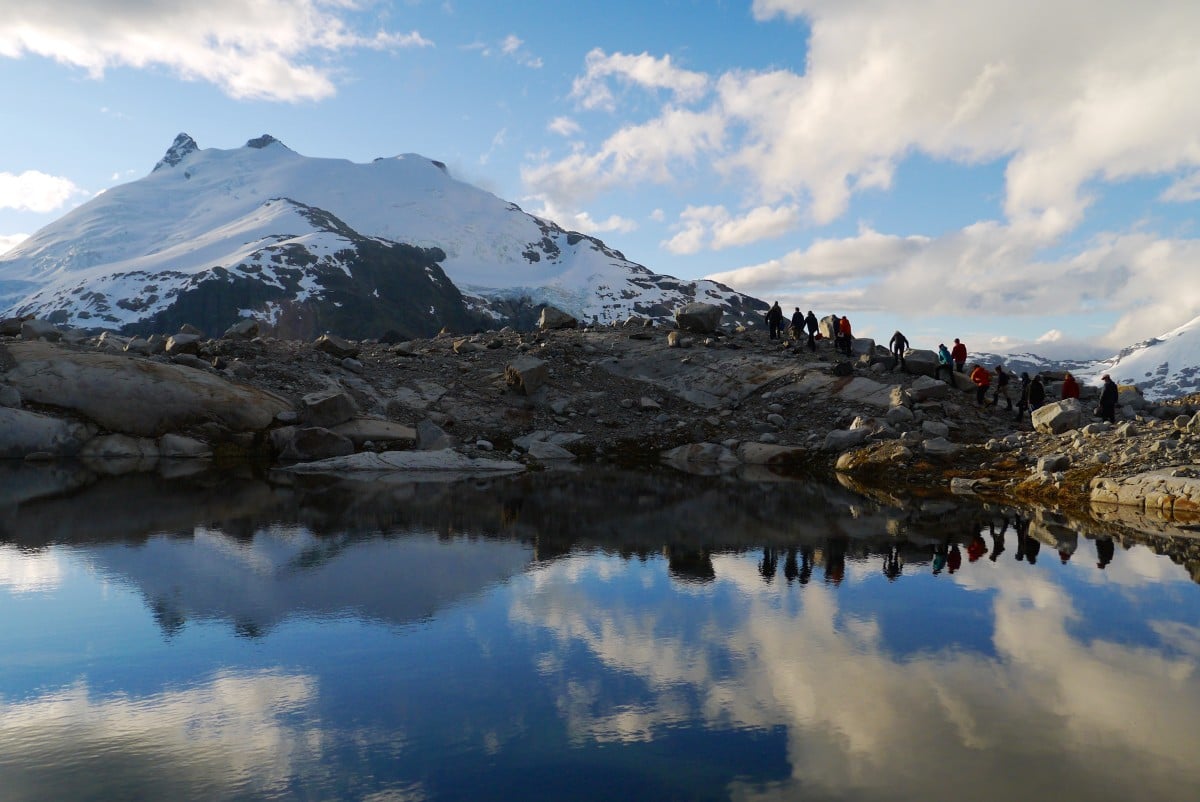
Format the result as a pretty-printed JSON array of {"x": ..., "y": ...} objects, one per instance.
[{"x": 1030, "y": 395}]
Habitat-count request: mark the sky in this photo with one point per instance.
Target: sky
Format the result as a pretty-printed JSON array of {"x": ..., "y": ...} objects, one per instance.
[{"x": 1022, "y": 175}]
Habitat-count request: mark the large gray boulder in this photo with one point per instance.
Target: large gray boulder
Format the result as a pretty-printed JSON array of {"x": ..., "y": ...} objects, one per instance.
[
  {"x": 921, "y": 361},
  {"x": 1058, "y": 417},
  {"x": 23, "y": 433},
  {"x": 928, "y": 389},
  {"x": 699, "y": 318},
  {"x": 338, "y": 347},
  {"x": 327, "y": 408},
  {"x": 244, "y": 329},
  {"x": 304, "y": 444},
  {"x": 40, "y": 329},
  {"x": 552, "y": 318},
  {"x": 131, "y": 395},
  {"x": 375, "y": 430},
  {"x": 526, "y": 374}
]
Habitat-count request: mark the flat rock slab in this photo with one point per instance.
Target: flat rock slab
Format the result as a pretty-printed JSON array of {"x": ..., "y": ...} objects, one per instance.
[
  {"x": 1170, "y": 492},
  {"x": 427, "y": 466},
  {"x": 132, "y": 395}
]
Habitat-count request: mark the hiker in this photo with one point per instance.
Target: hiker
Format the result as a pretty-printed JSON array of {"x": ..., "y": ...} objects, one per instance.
[
  {"x": 982, "y": 380},
  {"x": 1070, "y": 387},
  {"x": 835, "y": 327},
  {"x": 1023, "y": 395},
  {"x": 1108, "y": 399},
  {"x": 1001, "y": 390},
  {"x": 811, "y": 323},
  {"x": 775, "y": 321},
  {"x": 959, "y": 354},
  {"x": 797, "y": 325},
  {"x": 944, "y": 361},
  {"x": 1037, "y": 393},
  {"x": 847, "y": 337},
  {"x": 899, "y": 344}
]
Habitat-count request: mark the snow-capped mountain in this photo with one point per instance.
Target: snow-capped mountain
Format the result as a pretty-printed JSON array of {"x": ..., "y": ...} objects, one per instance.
[
  {"x": 1166, "y": 366},
  {"x": 309, "y": 245}
]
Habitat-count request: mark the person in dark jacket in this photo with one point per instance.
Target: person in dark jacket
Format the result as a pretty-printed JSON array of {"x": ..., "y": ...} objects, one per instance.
[
  {"x": 811, "y": 323},
  {"x": 1108, "y": 399},
  {"x": 1023, "y": 395},
  {"x": 898, "y": 344},
  {"x": 1037, "y": 393},
  {"x": 775, "y": 321},
  {"x": 1001, "y": 390},
  {"x": 797, "y": 324}
]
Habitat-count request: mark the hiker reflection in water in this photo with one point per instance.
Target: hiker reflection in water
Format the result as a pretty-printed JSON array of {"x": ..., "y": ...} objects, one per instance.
[
  {"x": 790, "y": 571},
  {"x": 1027, "y": 547},
  {"x": 1105, "y": 550},
  {"x": 769, "y": 563},
  {"x": 997, "y": 538},
  {"x": 806, "y": 564},
  {"x": 892, "y": 566},
  {"x": 835, "y": 560},
  {"x": 976, "y": 548},
  {"x": 939, "y": 558},
  {"x": 954, "y": 558}
]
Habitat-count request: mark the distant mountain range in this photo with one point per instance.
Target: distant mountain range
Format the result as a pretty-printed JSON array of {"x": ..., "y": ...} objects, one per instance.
[{"x": 308, "y": 245}]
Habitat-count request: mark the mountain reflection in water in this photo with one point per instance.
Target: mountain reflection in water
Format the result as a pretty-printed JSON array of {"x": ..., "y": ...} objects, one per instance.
[{"x": 593, "y": 634}]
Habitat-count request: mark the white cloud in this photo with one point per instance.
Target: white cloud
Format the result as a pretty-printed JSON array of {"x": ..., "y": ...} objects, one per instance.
[
  {"x": 563, "y": 126},
  {"x": 592, "y": 88},
  {"x": 36, "y": 191},
  {"x": 1184, "y": 190},
  {"x": 251, "y": 49},
  {"x": 583, "y": 221},
  {"x": 990, "y": 269},
  {"x": 714, "y": 227},
  {"x": 514, "y": 48},
  {"x": 10, "y": 241}
]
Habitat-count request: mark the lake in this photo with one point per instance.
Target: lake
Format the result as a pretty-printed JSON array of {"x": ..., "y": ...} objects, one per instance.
[{"x": 589, "y": 634}]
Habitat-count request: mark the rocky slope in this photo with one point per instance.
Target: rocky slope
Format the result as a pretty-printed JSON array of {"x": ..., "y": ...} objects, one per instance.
[{"x": 724, "y": 401}]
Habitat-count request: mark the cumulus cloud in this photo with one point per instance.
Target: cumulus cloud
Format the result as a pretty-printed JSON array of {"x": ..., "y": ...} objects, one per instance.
[
  {"x": 35, "y": 191},
  {"x": 563, "y": 126},
  {"x": 583, "y": 221},
  {"x": 1071, "y": 99},
  {"x": 514, "y": 48},
  {"x": 593, "y": 90},
  {"x": 714, "y": 227},
  {"x": 991, "y": 269},
  {"x": 251, "y": 49}
]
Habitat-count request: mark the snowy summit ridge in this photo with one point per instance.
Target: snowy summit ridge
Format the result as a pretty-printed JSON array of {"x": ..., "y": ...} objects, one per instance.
[{"x": 312, "y": 244}]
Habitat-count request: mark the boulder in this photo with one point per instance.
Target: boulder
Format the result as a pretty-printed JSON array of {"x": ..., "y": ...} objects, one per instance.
[
  {"x": 1058, "y": 417},
  {"x": 546, "y": 452},
  {"x": 336, "y": 346},
  {"x": 23, "y": 432},
  {"x": 699, "y": 318},
  {"x": 552, "y": 318},
  {"x": 542, "y": 436},
  {"x": 1052, "y": 463},
  {"x": 9, "y": 396},
  {"x": 862, "y": 390},
  {"x": 244, "y": 329},
  {"x": 897, "y": 415},
  {"x": 175, "y": 446},
  {"x": 179, "y": 344},
  {"x": 11, "y": 326},
  {"x": 327, "y": 408},
  {"x": 134, "y": 396},
  {"x": 935, "y": 428},
  {"x": 375, "y": 430},
  {"x": 939, "y": 446},
  {"x": 35, "y": 329},
  {"x": 303, "y": 444},
  {"x": 526, "y": 374},
  {"x": 843, "y": 439},
  {"x": 431, "y": 437},
  {"x": 921, "y": 361},
  {"x": 926, "y": 388}
]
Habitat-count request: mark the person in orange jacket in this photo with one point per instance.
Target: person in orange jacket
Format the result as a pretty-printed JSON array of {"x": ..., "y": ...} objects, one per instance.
[
  {"x": 1070, "y": 387},
  {"x": 983, "y": 380},
  {"x": 847, "y": 337}
]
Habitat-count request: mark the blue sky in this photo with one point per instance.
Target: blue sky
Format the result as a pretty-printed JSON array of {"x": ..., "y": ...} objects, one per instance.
[{"x": 1021, "y": 175}]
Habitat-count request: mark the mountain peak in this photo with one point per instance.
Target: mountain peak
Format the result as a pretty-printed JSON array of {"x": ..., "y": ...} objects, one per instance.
[
  {"x": 180, "y": 148},
  {"x": 262, "y": 142}
]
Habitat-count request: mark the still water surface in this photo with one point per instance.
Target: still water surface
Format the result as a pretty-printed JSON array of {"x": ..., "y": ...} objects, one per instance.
[{"x": 597, "y": 635}]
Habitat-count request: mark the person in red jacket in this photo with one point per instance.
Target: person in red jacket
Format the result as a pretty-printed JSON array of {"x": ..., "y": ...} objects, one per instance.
[
  {"x": 959, "y": 354},
  {"x": 847, "y": 337},
  {"x": 983, "y": 379},
  {"x": 1070, "y": 387}
]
